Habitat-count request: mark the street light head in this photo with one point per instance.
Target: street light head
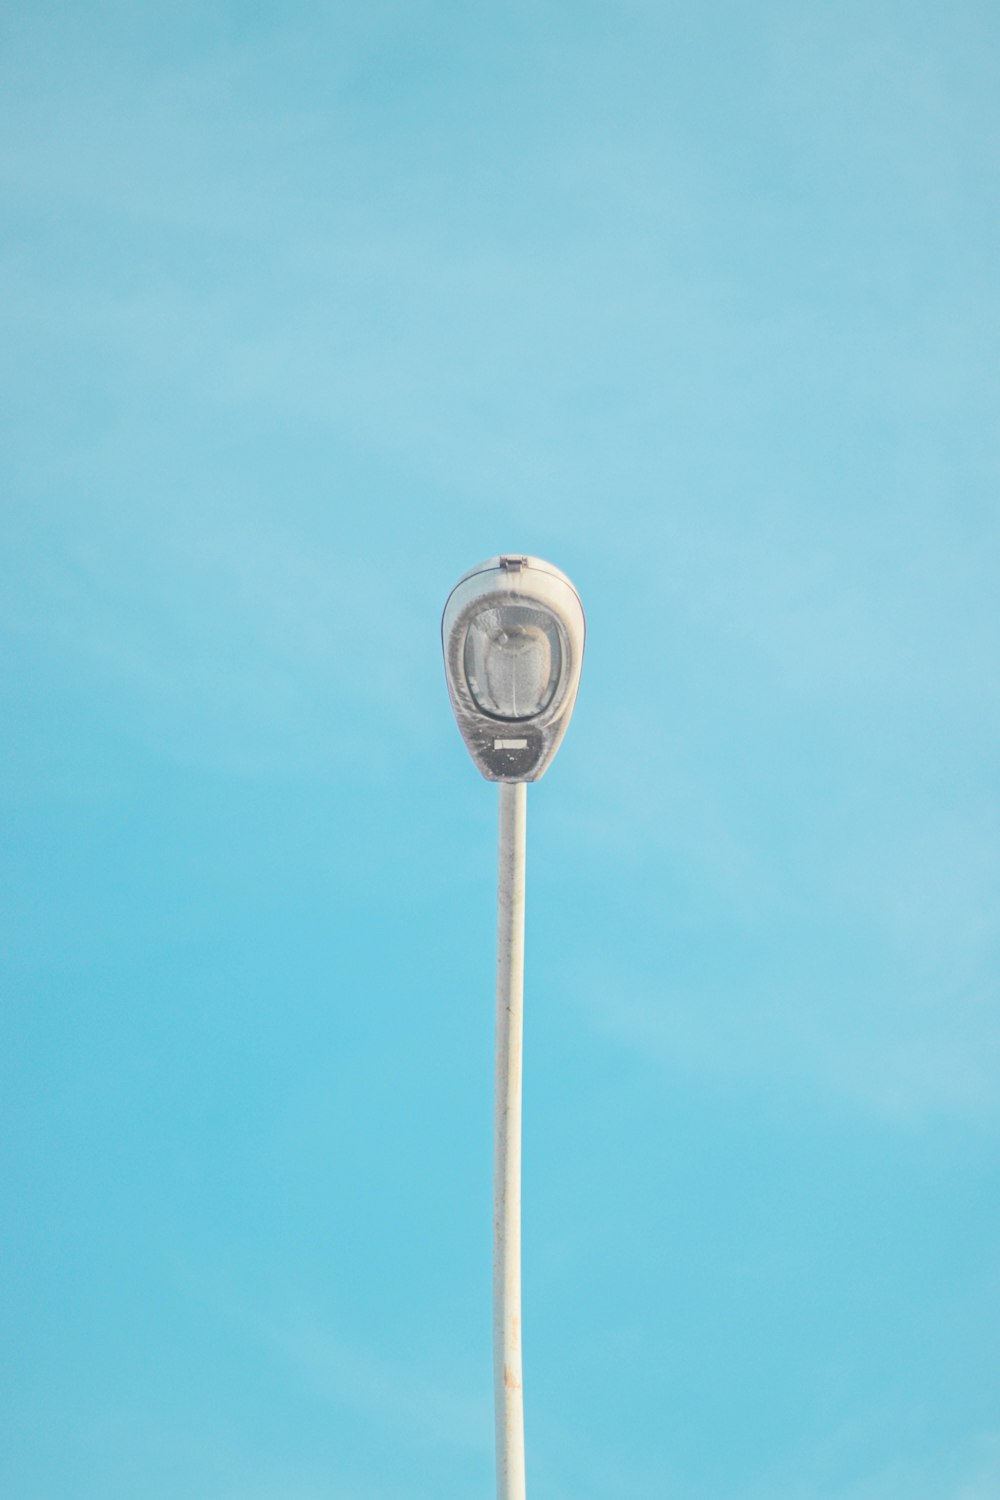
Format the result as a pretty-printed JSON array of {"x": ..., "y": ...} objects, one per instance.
[{"x": 512, "y": 634}]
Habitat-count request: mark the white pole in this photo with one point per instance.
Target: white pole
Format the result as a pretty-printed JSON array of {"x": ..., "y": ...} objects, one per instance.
[{"x": 507, "y": 1146}]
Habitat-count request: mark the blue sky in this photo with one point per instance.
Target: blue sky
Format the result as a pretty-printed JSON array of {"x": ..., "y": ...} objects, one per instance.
[{"x": 307, "y": 309}]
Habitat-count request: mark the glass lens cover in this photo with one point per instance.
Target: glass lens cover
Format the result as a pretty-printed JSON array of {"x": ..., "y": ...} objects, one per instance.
[{"x": 512, "y": 660}]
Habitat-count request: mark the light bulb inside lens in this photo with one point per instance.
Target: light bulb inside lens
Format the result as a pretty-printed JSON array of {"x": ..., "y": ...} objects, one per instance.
[{"x": 512, "y": 660}]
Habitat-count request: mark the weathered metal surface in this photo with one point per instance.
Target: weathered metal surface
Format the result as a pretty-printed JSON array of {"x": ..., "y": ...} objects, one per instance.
[{"x": 508, "y": 1392}]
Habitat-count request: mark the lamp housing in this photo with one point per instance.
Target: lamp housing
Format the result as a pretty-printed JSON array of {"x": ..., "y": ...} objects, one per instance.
[{"x": 513, "y": 634}]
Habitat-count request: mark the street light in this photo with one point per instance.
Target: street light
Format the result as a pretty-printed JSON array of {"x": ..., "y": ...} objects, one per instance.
[{"x": 512, "y": 634}]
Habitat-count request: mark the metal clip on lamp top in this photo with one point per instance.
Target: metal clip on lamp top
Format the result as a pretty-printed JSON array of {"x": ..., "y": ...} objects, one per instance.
[{"x": 513, "y": 634}]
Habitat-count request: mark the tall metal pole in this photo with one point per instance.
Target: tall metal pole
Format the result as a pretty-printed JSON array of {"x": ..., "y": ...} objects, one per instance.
[{"x": 507, "y": 1145}]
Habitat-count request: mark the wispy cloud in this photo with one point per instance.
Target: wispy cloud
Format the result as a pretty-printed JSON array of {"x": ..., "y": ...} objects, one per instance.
[
  {"x": 411, "y": 1397},
  {"x": 405, "y": 1396},
  {"x": 229, "y": 643},
  {"x": 903, "y": 1056},
  {"x": 981, "y": 1477}
]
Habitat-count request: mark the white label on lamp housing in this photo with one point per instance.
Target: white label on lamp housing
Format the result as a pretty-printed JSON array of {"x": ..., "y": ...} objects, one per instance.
[{"x": 510, "y": 744}]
